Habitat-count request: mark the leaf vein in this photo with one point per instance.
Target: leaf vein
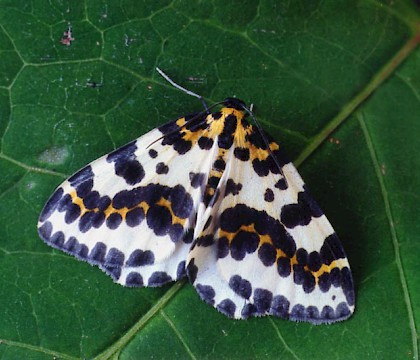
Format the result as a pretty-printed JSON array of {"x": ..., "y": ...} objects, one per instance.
[
  {"x": 178, "y": 334},
  {"x": 394, "y": 237}
]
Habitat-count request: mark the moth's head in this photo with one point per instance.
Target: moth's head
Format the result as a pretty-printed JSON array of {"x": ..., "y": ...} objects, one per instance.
[{"x": 234, "y": 103}]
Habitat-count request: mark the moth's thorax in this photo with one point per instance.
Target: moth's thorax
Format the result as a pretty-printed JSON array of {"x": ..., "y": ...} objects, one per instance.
[
  {"x": 226, "y": 111},
  {"x": 229, "y": 122}
]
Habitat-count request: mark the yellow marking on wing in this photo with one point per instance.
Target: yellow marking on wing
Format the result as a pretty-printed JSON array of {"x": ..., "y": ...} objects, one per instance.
[
  {"x": 251, "y": 229},
  {"x": 167, "y": 204},
  {"x": 79, "y": 202},
  {"x": 216, "y": 126},
  {"x": 240, "y": 135},
  {"x": 231, "y": 111},
  {"x": 181, "y": 122},
  {"x": 123, "y": 211},
  {"x": 338, "y": 263},
  {"x": 192, "y": 136}
]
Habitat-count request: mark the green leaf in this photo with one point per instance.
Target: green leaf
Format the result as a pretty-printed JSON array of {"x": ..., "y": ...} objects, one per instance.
[{"x": 336, "y": 82}]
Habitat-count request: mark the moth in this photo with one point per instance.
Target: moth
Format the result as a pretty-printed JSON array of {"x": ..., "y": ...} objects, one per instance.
[{"x": 211, "y": 197}]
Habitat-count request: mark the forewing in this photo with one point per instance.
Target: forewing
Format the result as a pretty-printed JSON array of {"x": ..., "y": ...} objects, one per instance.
[{"x": 132, "y": 212}]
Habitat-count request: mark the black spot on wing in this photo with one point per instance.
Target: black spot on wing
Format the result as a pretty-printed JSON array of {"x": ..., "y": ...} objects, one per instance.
[
  {"x": 227, "y": 307},
  {"x": 82, "y": 181},
  {"x": 140, "y": 258},
  {"x": 86, "y": 221},
  {"x": 225, "y": 139},
  {"x": 57, "y": 239},
  {"x": 113, "y": 221},
  {"x": 134, "y": 217},
  {"x": 240, "y": 286},
  {"x": 311, "y": 314},
  {"x": 265, "y": 166},
  {"x": 342, "y": 311},
  {"x": 241, "y": 153},
  {"x": 188, "y": 236},
  {"x": 298, "y": 313},
  {"x": 213, "y": 181},
  {"x": 45, "y": 231},
  {"x": 347, "y": 285},
  {"x": 314, "y": 261},
  {"x": 97, "y": 254},
  {"x": 71, "y": 244},
  {"x": 280, "y": 307},
  {"x": 51, "y": 205},
  {"x": 281, "y": 184},
  {"x": 206, "y": 292},
  {"x": 98, "y": 219},
  {"x": 134, "y": 279},
  {"x": 159, "y": 219},
  {"x": 262, "y": 300},
  {"x": 159, "y": 278},
  {"x": 331, "y": 249},
  {"x": 232, "y": 187},
  {"x": 126, "y": 164},
  {"x": 114, "y": 258},
  {"x": 216, "y": 115},
  {"x": 196, "y": 179},
  {"x": 72, "y": 213},
  {"x": 222, "y": 247},
  {"x": 300, "y": 213},
  {"x": 64, "y": 203},
  {"x": 256, "y": 139},
  {"x": 243, "y": 243},
  {"x": 81, "y": 251},
  {"x": 192, "y": 271},
  {"x": 304, "y": 278},
  {"x": 206, "y": 240},
  {"x": 181, "y": 201},
  {"x": 284, "y": 266},
  {"x": 269, "y": 195},
  {"x": 91, "y": 200},
  {"x": 327, "y": 313},
  {"x": 219, "y": 165},
  {"x": 324, "y": 282},
  {"x": 161, "y": 168},
  {"x": 267, "y": 254},
  {"x": 181, "y": 270},
  {"x": 301, "y": 275},
  {"x": 169, "y": 128},
  {"x": 248, "y": 310},
  {"x": 153, "y": 153},
  {"x": 205, "y": 143}
]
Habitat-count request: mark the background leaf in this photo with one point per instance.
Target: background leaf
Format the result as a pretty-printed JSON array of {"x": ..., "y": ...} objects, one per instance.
[{"x": 308, "y": 66}]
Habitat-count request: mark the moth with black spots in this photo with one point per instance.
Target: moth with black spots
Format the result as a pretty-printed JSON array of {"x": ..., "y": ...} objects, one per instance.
[{"x": 211, "y": 197}]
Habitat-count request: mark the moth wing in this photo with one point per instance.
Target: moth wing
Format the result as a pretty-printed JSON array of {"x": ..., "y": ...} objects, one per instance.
[
  {"x": 132, "y": 212},
  {"x": 276, "y": 252}
]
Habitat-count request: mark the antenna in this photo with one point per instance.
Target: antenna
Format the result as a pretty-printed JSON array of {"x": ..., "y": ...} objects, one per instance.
[{"x": 174, "y": 84}]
